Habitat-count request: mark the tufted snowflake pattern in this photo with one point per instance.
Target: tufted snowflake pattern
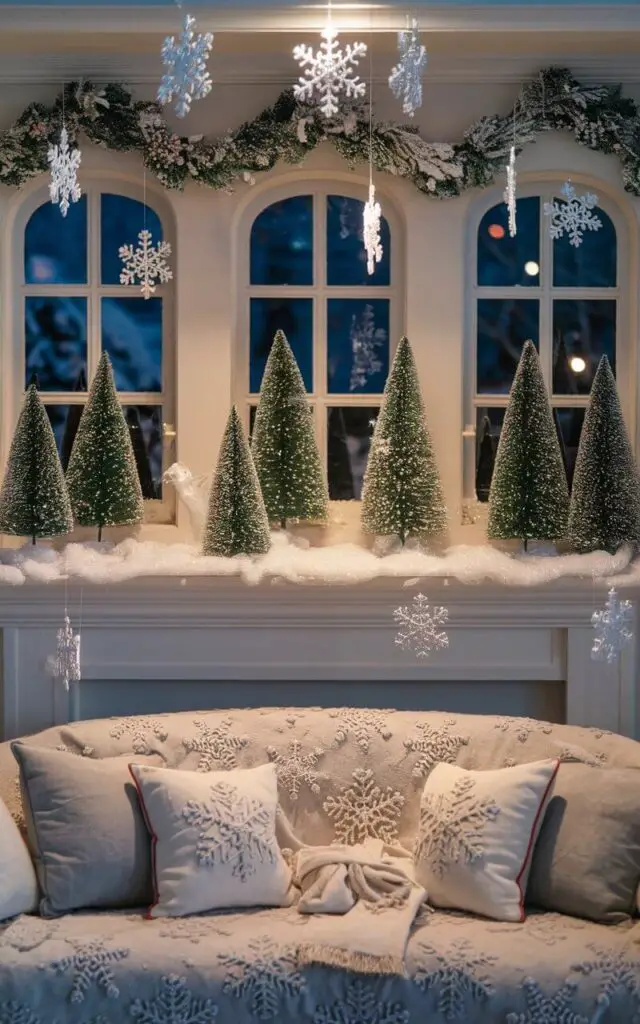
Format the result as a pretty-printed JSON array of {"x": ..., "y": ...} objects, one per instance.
[
  {"x": 235, "y": 829},
  {"x": 616, "y": 974},
  {"x": 361, "y": 724},
  {"x": 454, "y": 977},
  {"x": 174, "y": 1004},
  {"x": 140, "y": 730},
  {"x": 17, "y": 1013},
  {"x": 434, "y": 745},
  {"x": 522, "y": 727},
  {"x": 90, "y": 965},
  {"x": 364, "y": 810},
  {"x": 27, "y": 932},
  {"x": 543, "y": 1009},
  {"x": 296, "y": 769},
  {"x": 216, "y": 744},
  {"x": 190, "y": 929},
  {"x": 452, "y": 826},
  {"x": 361, "y": 1005},
  {"x": 262, "y": 976}
]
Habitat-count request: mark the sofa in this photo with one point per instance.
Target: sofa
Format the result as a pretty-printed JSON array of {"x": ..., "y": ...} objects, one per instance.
[{"x": 344, "y": 776}]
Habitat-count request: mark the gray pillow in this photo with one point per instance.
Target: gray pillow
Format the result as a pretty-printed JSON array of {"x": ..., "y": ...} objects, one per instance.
[
  {"x": 89, "y": 842},
  {"x": 586, "y": 861}
]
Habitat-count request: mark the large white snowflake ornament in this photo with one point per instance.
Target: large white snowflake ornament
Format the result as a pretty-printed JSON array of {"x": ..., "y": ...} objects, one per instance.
[
  {"x": 66, "y": 664},
  {"x": 572, "y": 215},
  {"x": 510, "y": 192},
  {"x": 612, "y": 628},
  {"x": 371, "y": 230},
  {"x": 329, "y": 72},
  {"x": 185, "y": 59},
  {"x": 63, "y": 164},
  {"x": 405, "y": 80},
  {"x": 419, "y": 624},
  {"x": 146, "y": 264}
]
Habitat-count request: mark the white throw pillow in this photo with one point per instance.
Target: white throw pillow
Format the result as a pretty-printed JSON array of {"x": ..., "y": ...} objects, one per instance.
[
  {"x": 213, "y": 839},
  {"x": 18, "y": 882},
  {"x": 476, "y": 836}
]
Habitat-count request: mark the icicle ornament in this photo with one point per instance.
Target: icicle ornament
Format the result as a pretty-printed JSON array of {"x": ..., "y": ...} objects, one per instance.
[
  {"x": 66, "y": 665},
  {"x": 64, "y": 162},
  {"x": 185, "y": 58},
  {"x": 328, "y": 72},
  {"x": 510, "y": 191},
  {"x": 405, "y": 80},
  {"x": 612, "y": 628},
  {"x": 573, "y": 215},
  {"x": 420, "y": 627},
  {"x": 371, "y": 216}
]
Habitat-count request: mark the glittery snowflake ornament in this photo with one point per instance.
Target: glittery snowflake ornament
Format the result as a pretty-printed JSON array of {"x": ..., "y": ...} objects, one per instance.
[
  {"x": 612, "y": 628},
  {"x": 329, "y": 72},
  {"x": 63, "y": 164},
  {"x": 405, "y": 80},
  {"x": 419, "y": 627},
  {"x": 573, "y": 215},
  {"x": 186, "y": 78},
  {"x": 146, "y": 264},
  {"x": 510, "y": 192},
  {"x": 371, "y": 230},
  {"x": 66, "y": 665}
]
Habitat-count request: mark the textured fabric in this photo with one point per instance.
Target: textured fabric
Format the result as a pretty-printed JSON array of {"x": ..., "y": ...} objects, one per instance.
[
  {"x": 476, "y": 836},
  {"x": 87, "y": 834},
  {"x": 18, "y": 882},
  {"x": 587, "y": 857},
  {"x": 214, "y": 839}
]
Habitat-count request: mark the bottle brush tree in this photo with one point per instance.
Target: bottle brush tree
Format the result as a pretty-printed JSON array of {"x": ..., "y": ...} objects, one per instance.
[
  {"x": 605, "y": 499},
  {"x": 402, "y": 494},
  {"x": 237, "y": 521},
  {"x": 102, "y": 476},
  {"x": 34, "y": 501},
  {"x": 529, "y": 496},
  {"x": 283, "y": 445}
]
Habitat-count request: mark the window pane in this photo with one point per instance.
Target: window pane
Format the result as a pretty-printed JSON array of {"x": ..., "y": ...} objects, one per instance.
[
  {"x": 488, "y": 426},
  {"x": 55, "y": 247},
  {"x": 282, "y": 243},
  {"x": 349, "y": 433},
  {"x": 569, "y": 426},
  {"x": 132, "y": 335},
  {"x": 55, "y": 342},
  {"x": 121, "y": 220},
  {"x": 346, "y": 258},
  {"x": 593, "y": 264},
  {"x": 64, "y": 419},
  {"x": 504, "y": 261},
  {"x": 295, "y": 318},
  {"x": 357, "y": 345},
  {"x": 584, "y": 330},
  {"x": 503, "y": 327}
]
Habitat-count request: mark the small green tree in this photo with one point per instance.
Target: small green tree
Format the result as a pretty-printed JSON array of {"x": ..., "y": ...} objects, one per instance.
[
  {"x": 605, "y": 499},
  {"x": 237, "y": 521},
  {"x": 529, "y": 496},
  {"x": 283, "y": 445},
  {"x": 102, "y": 477},
  {"x": 34, "y": 501},
  {"x": 402, "y": 494}
]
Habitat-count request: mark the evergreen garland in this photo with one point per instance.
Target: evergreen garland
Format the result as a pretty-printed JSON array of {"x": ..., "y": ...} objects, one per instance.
[{"x": 598, "y": 117}]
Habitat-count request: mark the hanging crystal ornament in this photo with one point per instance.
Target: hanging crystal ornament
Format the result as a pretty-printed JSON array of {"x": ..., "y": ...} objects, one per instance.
[
  {"x": 405, "y": 80},
  {"x": 329, "y": 71},
  {"x": 146, "y": 264},
  {"x": 420, "y": 627},
  {"x": 572, "y": 215},
  {"x": 372, "y": 212},
  {"x": 510, "y": 188},
  {"x": 185, "y": 58},
  {"x": 612, "y": 627},
  {"x": 64, "y": 162}
]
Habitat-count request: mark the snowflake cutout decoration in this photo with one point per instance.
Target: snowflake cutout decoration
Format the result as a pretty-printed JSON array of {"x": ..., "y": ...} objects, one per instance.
[
  {"x": 234, "y": 828},
  {"x": 612, "y": 628},
  {"x": 364, "y": 810},
  {"x": 263, "y": 975},
  {"x": 185, "y": 59},
  {"x": 328, "y": 72},
  {"x": 361, "y": 1005},
  {"x": 433, "y": 745},
  {"x": 174, "y": 1005},
  {"x": 452, "y": 826},
  {"x": 420, "y": 624},
  {"x": 617, "y": 973},
  {"x": 572, "y": 215},
  {"x": 146, "y": 264},
  {"x": 541, "y": 1008},
  {"x": 455, "y": 978},
  {"x": 295, "y": 769},
  {"x": 216, "y": 745},
  {"x": 91, "y": 965},
  {"x": 510, "y": 192},
  {"x": 405, "y": 80},
  {"x": 371, "y": 215},
  {"x": 66, "y": 664},
  {"x": 63, "y": 164}
]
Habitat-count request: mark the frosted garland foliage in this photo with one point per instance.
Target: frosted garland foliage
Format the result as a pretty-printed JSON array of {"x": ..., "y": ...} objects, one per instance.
[
  {"x": 612, "y": 628},
  {"x": 34, "y": 501},
  {"x": 283, "y": 446},
  {"x": 64, "y": 188},
  {"x": 605, "y": 498},
  {"x": 420, "y": 627},
  {"x": 510, "y": 192},
  {"x": 405, "y": 80},
  {"x": 146, "y": 264},
  {"x": 572, "y": 215},
  {"x": 186, "y": 78},
  {"x": 329, "y": 72},
  {"x": 402, "y": 495},
  {"x": 371, "y": 230},
  {"x": 529, "y": 497},
  {"x": 237, "y": 522},
  {"x": 102, "y": 476}
]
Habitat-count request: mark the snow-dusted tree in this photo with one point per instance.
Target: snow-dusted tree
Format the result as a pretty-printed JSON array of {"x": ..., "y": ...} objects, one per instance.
[
  {"x": 34, "y": 501},
  {"x": 237, "y": 521},
  {"x": 605, "y": 499},
  {"x": 102, "y": 477},
  {"x": 401, "y": 494},
  {"x": 283, "y": 445},
  {"x": 529, "y": 496}
]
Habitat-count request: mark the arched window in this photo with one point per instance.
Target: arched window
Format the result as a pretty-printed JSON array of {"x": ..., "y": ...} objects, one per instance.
[
  {"x": 307, "y": 276},
  {"x": 73, "y": 308},
  {"x": 564, "y": 298}
]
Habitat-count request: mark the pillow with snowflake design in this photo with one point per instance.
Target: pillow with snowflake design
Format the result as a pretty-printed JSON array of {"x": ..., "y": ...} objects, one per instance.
[
  {"x": 476, "y": 836},
  {"x": 213, "y": 839}
]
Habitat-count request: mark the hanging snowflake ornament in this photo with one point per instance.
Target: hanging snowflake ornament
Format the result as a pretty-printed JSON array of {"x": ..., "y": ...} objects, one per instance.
[
  {"x": 572, "y": 215},
  {"x": 329, "y": 72},
  {"x": 66, "y": 665},
  {"x": 405, "y": 80},
  {"x": 612, "y": 628},
  {"x": 419, "y": 627},
  {"x": 146, "y": 264},
  {"x": 510, "y": 192},
  {"x": 371, "y": 230},
  {"x": 63, "y": 164},
  {"x": 185, "y": 59}
]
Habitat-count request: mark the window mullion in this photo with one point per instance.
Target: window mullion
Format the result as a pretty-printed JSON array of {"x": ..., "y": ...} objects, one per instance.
[
  {"x": 320, "y": 325},
  {"x": 93, "y": 300}
]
